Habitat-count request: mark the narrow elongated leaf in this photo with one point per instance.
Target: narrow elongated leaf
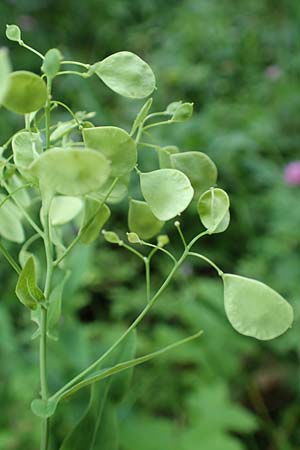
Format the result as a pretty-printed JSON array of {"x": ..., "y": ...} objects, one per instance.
[
  {"x": 63, "y": 129},
  {"x": 27, "y": 289},
  {"x": 127, "y": 74},
  {"x": 168, "y": 192},
  {"x": 97, "y": 428},
  {"x": 115, "y": 144},
  {"x": 213, "y": 207},
  {"x": 95, "y": 216},
  {"x": 71, "y": 171},
  {"x": 198, "y": 167},
  {"x": 254, "y": 309},
  {"x": 104, "y": 373},
  {"x": 4, "y": 73},
  {"x": 26, "y": 93},
  {"x": 63, "y": 209},
  {"x": 141, "y": 116},
  {"x": 11, "y": 227},
  {"x": 142, "y": 221},
  {"x": 26, "y": 148}
]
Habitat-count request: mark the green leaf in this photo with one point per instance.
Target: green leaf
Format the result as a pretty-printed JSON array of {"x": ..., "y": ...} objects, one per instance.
[
  {"x": 5, "y": 70},
  {"x": 115, "y": 144},
  {"x": 13, "y": 33},
  {"x": 11, "y": 227},
  {"x": 63, "y": 209},
  {"x": 168, "y": 192},
  {"x": 141, "y": 116},
  {"x": 95, "y": 216},
  {"x": 51, "y": 63},
  {"x": 27, "y": 92},
  {"x": 63, "y": 129},
  {"x": 120, "y": 367},
  {"x": 142, "y": 221},
  {"x": 54, "y": 308},
  {"x": 27, "y": 289},
  {"x": 127, "y": 74},
  {"x": 213, "y": 207},
  {"x": 43, "y": 408},
  {"x": 254, "y": 309},
  {"x": 71, "y": 171},
  {"x": 97, "y": 429},
  {"x": 26, "y": 147},
  {"x": 198, "y": 167}
]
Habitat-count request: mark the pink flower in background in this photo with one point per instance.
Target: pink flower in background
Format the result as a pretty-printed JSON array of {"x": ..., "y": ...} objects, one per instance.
[{"x": 292, "y": 173}]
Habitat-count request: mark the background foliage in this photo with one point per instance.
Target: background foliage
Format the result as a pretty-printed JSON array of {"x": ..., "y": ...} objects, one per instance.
[{"x": 239, "y": 62}]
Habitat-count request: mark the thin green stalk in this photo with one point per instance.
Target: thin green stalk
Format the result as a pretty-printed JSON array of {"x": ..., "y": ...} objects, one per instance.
[
  {"x": 43, "y": 337},
  {"x": 77, "y": 238},
  {"x": 209, "y": 261},
  {"x": 160, "y": 249},
  {"x": 77, "y": 63},
  {"x": 43, "y": 376},
  {"x": 47, "y": 112},
  {"x": 49, "y": 271},
  {"x": 23, "y": 210},
  {"x": 178, "y": 227},
  {"x": 67, "y": 109},
  {"x": 74, "y": 72},
  {"x": 157, "y": 124},
  {"x": 22, "y": 43},
  {"x": 13, "y": 192},
  {"x": 148, "y": 279},
  {"x": 10, "y": 259},
  {"x": 132, "y": 250}
]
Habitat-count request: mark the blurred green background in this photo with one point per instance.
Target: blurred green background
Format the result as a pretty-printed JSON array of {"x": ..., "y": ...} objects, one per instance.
[{"x": 239, "y": 62}]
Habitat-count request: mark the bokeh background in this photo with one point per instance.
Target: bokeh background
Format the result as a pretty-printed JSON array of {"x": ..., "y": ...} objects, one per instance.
[{"x": 239, "y": 62}]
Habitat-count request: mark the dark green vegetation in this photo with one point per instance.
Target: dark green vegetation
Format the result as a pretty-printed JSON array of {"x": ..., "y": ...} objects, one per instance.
[{"x": 239, "y": 63}]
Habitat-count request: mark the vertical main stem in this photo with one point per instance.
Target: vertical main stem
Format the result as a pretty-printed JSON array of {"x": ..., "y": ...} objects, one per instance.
[{"x": 47, "y": 290}]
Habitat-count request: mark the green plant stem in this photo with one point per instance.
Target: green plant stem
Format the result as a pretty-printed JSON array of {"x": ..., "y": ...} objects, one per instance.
[
  {"x": 77, "y": 63},
  {"x": 132, "y": 250},
  {"x": 43, "y": 337},
  {"x": 13, "y": 192},
  {"x": 49, "y": 271},
  {"x": 74, "y": 72},
  {"x": 47, "y": 112},
  {"x": 148, "y": 278},
  {"x": 135, "y": 323},
  {"x": 43, "y": 377},
  {"x": 209, "y": 261},
  {"x": 67, "y": 109},
  {"x": 157, "y": 248},
  {"x": 157, "y": 124},
  {"x": 22, "y": 43},
  {"x": 10, "y": 259},
  {"x": 23, "y": 210},
  {"x": 77, "y": 238},
  {"x": 178, "y": 227}
]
